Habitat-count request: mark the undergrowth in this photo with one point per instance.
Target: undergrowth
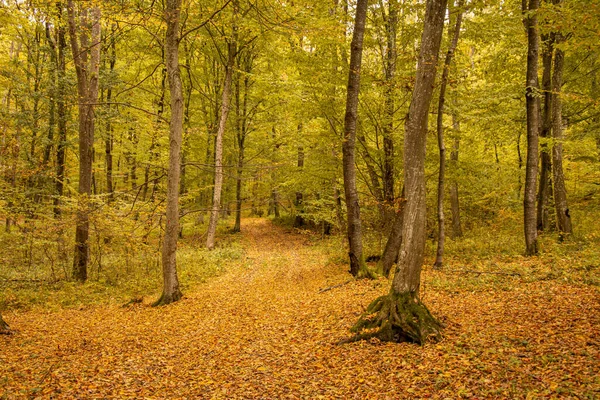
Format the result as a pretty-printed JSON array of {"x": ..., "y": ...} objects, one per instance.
[{"x": 123, "y": 266}]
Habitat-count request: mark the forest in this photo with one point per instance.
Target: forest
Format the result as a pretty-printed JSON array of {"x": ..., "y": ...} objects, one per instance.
[{"x": 244, "y": 199}]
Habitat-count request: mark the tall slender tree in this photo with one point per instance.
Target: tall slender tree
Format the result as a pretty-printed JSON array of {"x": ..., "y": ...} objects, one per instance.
[
  {"x": 454, "y": 201},
  {"x": 533, "y": 123},
  {"x": 171, "y": 291},
  {"x": 563, "y": 217},
  {"x": 440, "y": 136},
  {"x": 391, "y": 25},
  {"x": 545, "y": 187},
  {"x": 355, "y": 251},
  {"x": 400, "y": 315},
  {"x": 85, "y": 45},
  {"x": 225, "y": 103}
]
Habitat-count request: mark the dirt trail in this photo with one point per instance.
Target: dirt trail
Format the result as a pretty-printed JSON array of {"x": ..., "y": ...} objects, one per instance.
[{"x": 262, "y": 330}]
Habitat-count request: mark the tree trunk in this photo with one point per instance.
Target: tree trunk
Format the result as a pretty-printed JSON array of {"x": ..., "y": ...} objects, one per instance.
[
  {"x": 171, "y": 291},
  {"x": 61, "y": 112},
  {"x": 52, "y": 100},
  {"x": 400, "y": 315},
  {"x": 545, "y": 187},
  {"x": 394, "y": 242},
  {"x": 440, "y": 136},
  {"x": 454, "y": 200},
  {"x": 533, "y": 123},
  {"x": 391, "y": 25},
  {"x": 242, "y": 124},
  {"x": 299, "y": 220},
  {"x": 357, "y": 263},
  {"x": 216, "y": 203},
  {"x": 86, "y": 54},
  {"x": 108, "y": 140},
  {"x": 563, "y": 217}
]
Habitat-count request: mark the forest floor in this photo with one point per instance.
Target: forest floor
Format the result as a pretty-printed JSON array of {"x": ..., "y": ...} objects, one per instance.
[{"x": 264, "y": 330}]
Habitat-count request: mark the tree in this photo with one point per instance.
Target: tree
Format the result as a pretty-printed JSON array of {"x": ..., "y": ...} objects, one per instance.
[
  {"x": 440, "y": 135},
  {"x": 171, "y": 291},
  {"x": 545, "y": 187},
  {"x": 400, "y": 315},
  {"x": 225, "y": 102},
  {"x": 563, "y": 217},
  {"x": 391, "y": 24},
  {"x": 454, "y": 202},
  {"x": 533, "y": 124},
  {"x": 355, "y": 251},
  {"x": 394, "y": 242},
  {"x": 86, "y": 55}
]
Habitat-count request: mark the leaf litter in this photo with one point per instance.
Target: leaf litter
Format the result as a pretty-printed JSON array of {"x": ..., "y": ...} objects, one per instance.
[{"x": 264, "y": 330}]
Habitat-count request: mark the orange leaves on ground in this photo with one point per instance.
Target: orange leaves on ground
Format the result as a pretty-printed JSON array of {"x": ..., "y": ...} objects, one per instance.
[{"x": 263, "y": 330}]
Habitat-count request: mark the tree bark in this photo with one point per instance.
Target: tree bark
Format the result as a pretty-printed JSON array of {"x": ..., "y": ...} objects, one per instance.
[
  {"x": 391, "y": 25},
  {"x": 52, "y": 100},
  {"x": 400, "y": 315},
  {"x": 533, "y": 123},
  {"x": 563, "y": 217},
  {"x": 298, "y": 203},
  {"x": 545, "y": 187},
  {"x": 226, "y": 99},
  {"x": 61, "y": 111},
  {"x": 440, "y": 136},
  {"x": 86, "y": 55},
  {"x": 171, "y": 291},
  {"x": 242, "y": 130},
  {"x": 394, "y": 242},
  {"x": 454, "y": 200},
  {"x": 357, "y": 263},
  {"x": 108, "y": 140}
]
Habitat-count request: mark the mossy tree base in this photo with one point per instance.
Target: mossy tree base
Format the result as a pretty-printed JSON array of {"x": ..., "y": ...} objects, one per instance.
[
  {"x": 359, "y": 269},
  {"x": 168, "y": 298},
  {"x": 365, "y": 273},
  {"x": 398, "y": 318}
]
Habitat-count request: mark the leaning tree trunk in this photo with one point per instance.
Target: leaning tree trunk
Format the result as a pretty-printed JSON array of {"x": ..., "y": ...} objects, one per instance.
[
  {"x": 440, "y": 135},
  {"x": 357, "y": 263},
  {"x": 216, "y": 203},
  {"x": 533, "y": 123},
  {"x": 400, "y": 315},
  {"x": 86, "y": 55},
  {"x": 171, "y": 291},
  {"x": 563, "y": 217},
  {"x": 545, "y": 187}
]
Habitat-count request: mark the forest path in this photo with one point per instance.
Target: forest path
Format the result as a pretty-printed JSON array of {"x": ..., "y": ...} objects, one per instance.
[{"x": 263, "y": 330}]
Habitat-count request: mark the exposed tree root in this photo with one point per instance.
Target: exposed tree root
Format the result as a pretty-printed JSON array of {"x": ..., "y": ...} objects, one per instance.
[
  {"x": 398, "y": 318},
  {"x": 168, "y": 299},
  {"x": 359, "y": 269},
  {"x": 365, "y": 273},
  {"x": 135, "y": 300}
]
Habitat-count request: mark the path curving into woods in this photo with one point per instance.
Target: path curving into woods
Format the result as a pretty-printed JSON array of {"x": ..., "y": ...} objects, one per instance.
[{"x": 263, "y": 330}]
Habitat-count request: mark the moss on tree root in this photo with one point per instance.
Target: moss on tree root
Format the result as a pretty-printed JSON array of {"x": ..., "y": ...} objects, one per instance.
[{"x": 398, "y": 318}]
